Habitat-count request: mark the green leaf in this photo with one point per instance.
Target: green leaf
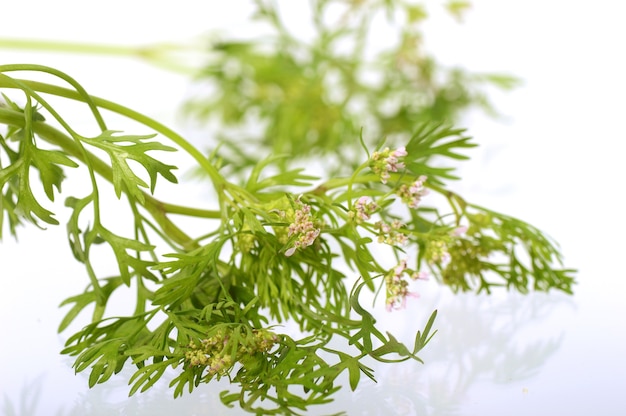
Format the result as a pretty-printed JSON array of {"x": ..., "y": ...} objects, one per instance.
[
  {"x": 146, "y": 376},
  {"x": 122, "y": 148},
  {"x": 26, "y": 205},
  {"x": 367, "y": 327},
  {"x": 433, "y": 139},
  {"x": 422, "y": 338},
  {"x": 128, "y": 263},
  {"x": 96, "y": 296},
  {"x": 74, "y": 233},
  {"x": 50, "y": 174},
  {"x": 354, "y": 366}
]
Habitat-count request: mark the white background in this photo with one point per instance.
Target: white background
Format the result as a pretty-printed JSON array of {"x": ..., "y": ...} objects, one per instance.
[{"x": 555, "y": 160}]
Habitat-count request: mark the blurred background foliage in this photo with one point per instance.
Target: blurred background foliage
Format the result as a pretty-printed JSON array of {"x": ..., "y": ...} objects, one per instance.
[{"x": 306, "y": 97}]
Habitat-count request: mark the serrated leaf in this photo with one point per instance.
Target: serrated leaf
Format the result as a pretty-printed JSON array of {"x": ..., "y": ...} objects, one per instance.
[
  {"x": 146, "y": 376},
  {"x": 124, "y": 147},
  {"x": 126, "y": 262},
  {"x": 50, "y": 174},
  {"x": 430, "y": 140},
  {"x": 27, "y": 205},
  {"x": 367, "y": 327}
]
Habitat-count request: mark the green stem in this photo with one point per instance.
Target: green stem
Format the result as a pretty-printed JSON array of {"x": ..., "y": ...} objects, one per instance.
[
  {"x": 341, "y": 182},
  {"x": 184, "y": 210},
  {"x": 160, "y": 55},
  {"x": 457, "y": 203},
  {"x": 367, "y": 178},
  {"x": 71, "y": 47}
]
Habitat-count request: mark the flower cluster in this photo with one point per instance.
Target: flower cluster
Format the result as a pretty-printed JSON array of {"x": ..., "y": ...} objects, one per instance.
[
  {"x": 398, "y": 287},
  {"x": 303, "y": 228},
  {"x": 387, "y": 161},
  {"x": 412, "y": 195},
  {"x": 390, "y": 234},
  {"x": 214, "y": 353},
  {"x": 437, "y": 250},
  {"x": 363, "y": 209}
]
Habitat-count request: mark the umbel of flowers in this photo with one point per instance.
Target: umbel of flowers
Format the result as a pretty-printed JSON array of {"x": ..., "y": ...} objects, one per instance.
[
  {"x": 302, "y": 229},
  {"x": 391, "y": 233},
  {"x": 383, "y": 164},
  {"x": 387, "y": 161},
  {"x": 216, "y": 352},
  {"x": 397, "y": 280},
  {"x": 363, "y": 209},
  {"x": 412, "y": 195},
  {"x": 398, "y": 287}
]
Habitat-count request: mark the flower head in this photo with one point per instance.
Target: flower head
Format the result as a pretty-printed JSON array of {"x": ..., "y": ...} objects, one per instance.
[
  {"x": 303, "y": 228},
  {"x": 398, "y": 287},
  {"x": 390, "y": 233},
  {"x": 214, "y": 352},
  {"x": 387, "y": 161},
  {"x": 437, "y": 252},
  {"x": 412, "y": 195},
  {"x": 364, "y": 207}
]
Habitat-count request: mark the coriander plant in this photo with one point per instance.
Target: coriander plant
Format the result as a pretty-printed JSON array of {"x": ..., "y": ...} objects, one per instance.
[{"x": 280, "y": 243}]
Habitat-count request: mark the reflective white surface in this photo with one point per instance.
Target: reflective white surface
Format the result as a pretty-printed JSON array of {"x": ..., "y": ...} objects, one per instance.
[{"x": 556, "y": 160}]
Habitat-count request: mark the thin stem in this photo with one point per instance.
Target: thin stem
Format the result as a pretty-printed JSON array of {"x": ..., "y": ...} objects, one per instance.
[
  {"x": 65, "y": 46},
  {"x": 160, "y": 55},
  {"x": 184, "y": 210}
]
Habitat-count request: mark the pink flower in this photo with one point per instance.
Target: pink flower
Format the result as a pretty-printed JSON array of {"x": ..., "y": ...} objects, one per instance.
[
  {"x": 390, "y": 234},
  {"x": 398, "y": 288},
  {"x": 420, "y": 276},
  {"x": 364, "y": 208},
  {"x": 400, "y": 268},
  {"x": 303, "y": 228},
  {"x": 387, "y": 161},
  {"x": 399, "y": 152},
  {"x": 412, "y": 195}
]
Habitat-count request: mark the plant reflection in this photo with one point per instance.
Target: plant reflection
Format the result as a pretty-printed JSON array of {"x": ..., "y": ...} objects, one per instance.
[
  {"x": 480, "y": 339},
  {"x": 28, "y": 402}
]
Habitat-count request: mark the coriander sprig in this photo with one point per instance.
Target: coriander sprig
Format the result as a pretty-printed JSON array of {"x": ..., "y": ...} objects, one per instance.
[
  {"x": 280, "y": 249},
  {"x": 277, "y": 242}
]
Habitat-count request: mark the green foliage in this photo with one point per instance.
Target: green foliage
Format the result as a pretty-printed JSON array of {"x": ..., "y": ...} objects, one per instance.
[
  {"x": 123, "y": 175},
  {"x": 312, "y": 96},
  {"x": 278, "y": 244}
]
